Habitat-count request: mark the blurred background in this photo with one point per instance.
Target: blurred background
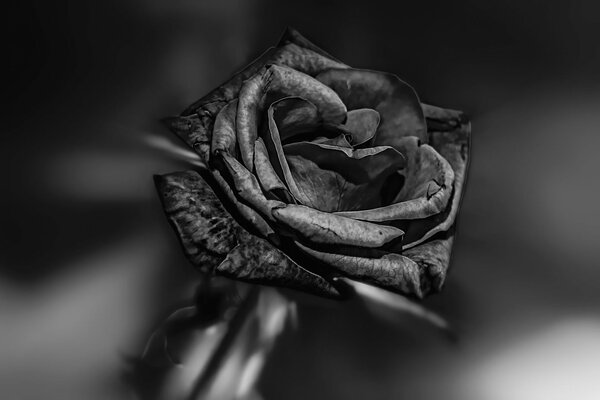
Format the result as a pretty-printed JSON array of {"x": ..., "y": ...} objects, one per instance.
[{"x": 88, "y": 261}]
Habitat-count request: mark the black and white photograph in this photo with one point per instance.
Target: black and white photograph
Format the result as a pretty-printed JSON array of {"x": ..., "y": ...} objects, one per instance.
[{"x": 272, "y": 200}]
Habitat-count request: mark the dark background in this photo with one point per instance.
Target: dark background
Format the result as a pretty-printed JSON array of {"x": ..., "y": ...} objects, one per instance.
[{"x": 87, "y": 258}]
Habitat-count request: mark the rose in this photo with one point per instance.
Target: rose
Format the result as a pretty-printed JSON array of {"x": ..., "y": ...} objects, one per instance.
[{"x": 316, "y": 173}]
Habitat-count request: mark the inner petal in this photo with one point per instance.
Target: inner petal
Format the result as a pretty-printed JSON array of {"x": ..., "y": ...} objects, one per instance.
[
  {"x": 333, "y": 178},
  {"x": 428, "y": 181},
  {"x": 396, "y": 102}
]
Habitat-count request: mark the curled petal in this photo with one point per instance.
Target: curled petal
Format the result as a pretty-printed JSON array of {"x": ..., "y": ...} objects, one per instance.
[
  {"x": 267, "y": 177},
  {"x": 318, "y": 227},
  {"x": 294, "y": 116},
  {"x": 224, "y": 137},
  {"x": 361, "y": 125},
  {"x": 453, "y": 144},
  {"x": 270, "y": 84},
  {"x": 433, "y": 258},
  {"x": 391, "y": 271},
  {"x": 394, "y": 100},
  {"x": 332, "y": 178},
  {"x": 246, "y": 186},
  {"x": 427, "y": 189}
]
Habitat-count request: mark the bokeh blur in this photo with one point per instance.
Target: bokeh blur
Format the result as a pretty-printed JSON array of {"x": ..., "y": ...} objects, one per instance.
[{"x": 89, "y": 263}]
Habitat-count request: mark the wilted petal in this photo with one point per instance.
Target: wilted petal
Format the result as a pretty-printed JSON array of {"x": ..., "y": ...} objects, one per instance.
[
  {"x": 267, "y": 177},
  {"x": 206, "y": 231},
  {"x": 246, "y": 186},
  {"x": 314, "y": 226},
  {"x": 224, "y": 137},
  {"x": 391, "y": 271},
  {"x": 394, "y": 100},
  {"x": 273, "y": 83},
  {"x": 426, "y": 190},
  {"x": 452, "y": 141},
  {"x": 332, "y": 178},
  {"x": 433, "y": 257},
  {"x": 257, "y": 261}
]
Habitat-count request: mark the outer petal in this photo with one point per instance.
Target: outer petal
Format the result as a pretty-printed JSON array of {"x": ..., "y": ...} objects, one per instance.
[
  {"x": 394, "y": 100},
  {"x": 212, "y": 240},
  {"x": 203, "y": 226},
  {"x": 256, "y": 261},
  {"x": 295, "y": 52},
  {"x": 452, "y": 141},
  {"x": 433, "y": 259}
]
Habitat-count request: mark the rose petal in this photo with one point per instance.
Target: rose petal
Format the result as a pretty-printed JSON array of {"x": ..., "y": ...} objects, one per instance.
[
  {"x": 294, "y": 116},
  {"x": 246, "y": 186},
  {"x": 426, "y": 190},
  {"x": 396, "y": 102},
  {"x": 267, "y": 177},
  {"x": 300, "y": 55},
  {"x": 204, "y": 228},
  {"x": 433, "y": 259},
  {"x": 246, "y": 216},
  {"x": 273, "y": 83},
  {"x": 452, "y": 141},
  {"x": 224, "y": 137},
  {"x": 391, "y": 271},
  {"x": 361, "y": 125},
  {"x": 332, "y": 178},
  {"x": 257, "y": 261},
  {"x": 276, "y": 115},
  {"x": 319, "y": 227}
]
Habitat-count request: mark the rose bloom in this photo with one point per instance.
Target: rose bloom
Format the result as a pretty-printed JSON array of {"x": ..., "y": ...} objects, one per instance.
[{"x": 317, "y": 174}]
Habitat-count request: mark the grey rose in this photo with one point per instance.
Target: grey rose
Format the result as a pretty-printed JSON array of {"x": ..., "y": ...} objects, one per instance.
[{"x": 317, "y": 173}]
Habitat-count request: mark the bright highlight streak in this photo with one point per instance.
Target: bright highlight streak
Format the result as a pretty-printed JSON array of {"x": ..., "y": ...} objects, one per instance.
[{"x": 163, "y": 144}]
